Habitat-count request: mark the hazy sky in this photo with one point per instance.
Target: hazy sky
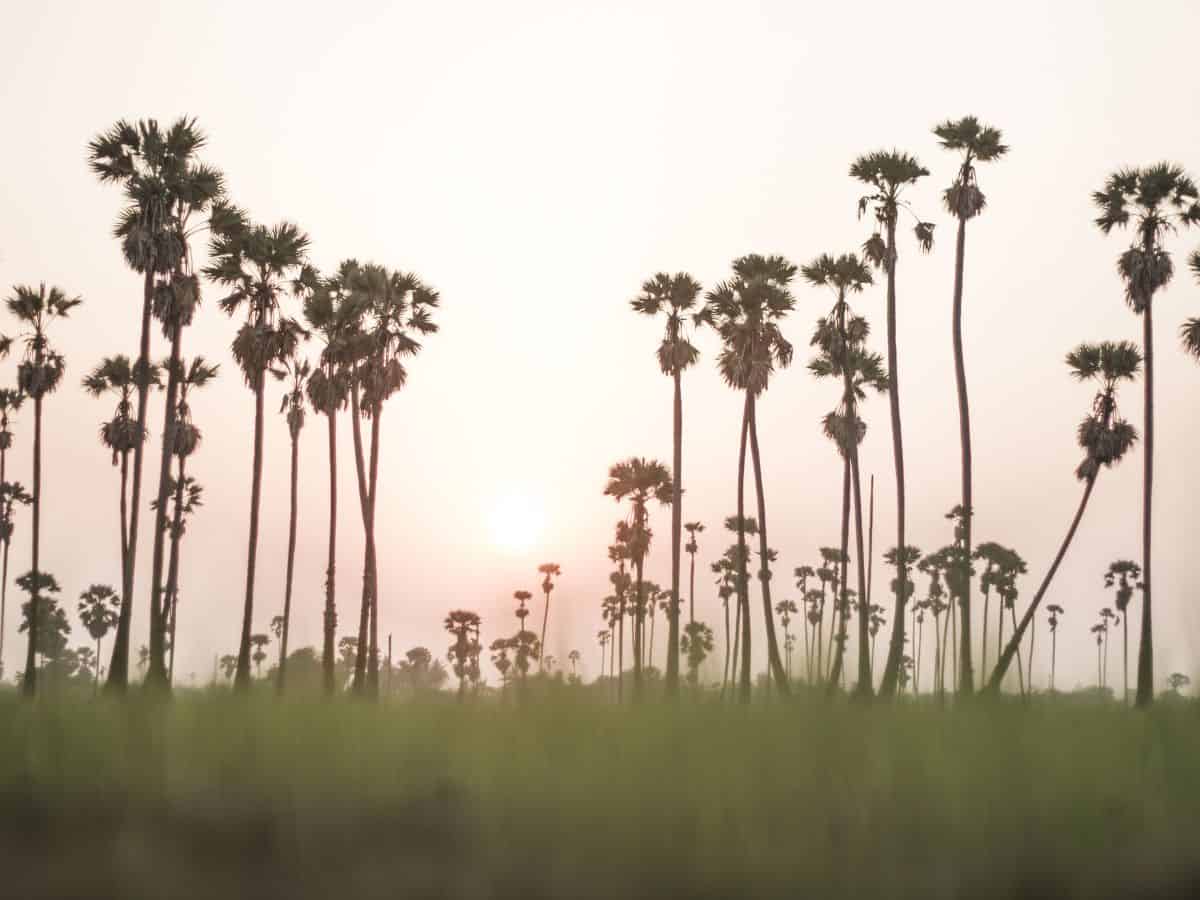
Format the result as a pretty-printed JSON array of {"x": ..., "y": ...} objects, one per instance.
[{"x": 535, "y": 161}]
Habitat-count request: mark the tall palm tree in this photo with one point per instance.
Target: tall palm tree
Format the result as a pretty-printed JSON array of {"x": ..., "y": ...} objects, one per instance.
[
  {"x": 549, "y": 571},
  {"x": 258, "y": 265},
  {"x": 292, "y": 407},
  {"x": 692, "y": 547},
  {"x": 840, "y": 339},
  {"x": 1105, "y": 438},
  {"x": 1124, "y": 575},
  {"x": 1189, "y": 332},
  {"x": 1155, "y": 200},
  {"x": 39, "y": 373},
  {"x": 640, "y": 480},
  {"x": 746, "y": 311},
  {"x": 1054, "y": 611},
  {"x": 888, "y": 174},
  {"x": 99, "y": 609},
  {"x": 978, "y": 143},
  {"x": 166, "y": 188},
  {"x": 675, "y": 295},
  {"x": 10, "y": 493}
]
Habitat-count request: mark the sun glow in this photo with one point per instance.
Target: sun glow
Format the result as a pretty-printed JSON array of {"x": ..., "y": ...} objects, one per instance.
[{"x": 517, "y": 522}]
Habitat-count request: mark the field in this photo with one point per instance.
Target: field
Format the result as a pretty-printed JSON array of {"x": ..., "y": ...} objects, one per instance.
[{"x": 216, "y": 796}]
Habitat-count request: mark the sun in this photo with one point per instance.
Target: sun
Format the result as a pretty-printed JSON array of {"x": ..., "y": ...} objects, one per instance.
[{"x": 516, "y": 521}]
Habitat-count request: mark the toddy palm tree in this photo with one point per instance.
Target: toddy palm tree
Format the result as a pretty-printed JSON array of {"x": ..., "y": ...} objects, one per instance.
[
  {"x": 675, "y": 295},
  {"x": 1105, "y": 438},
  {"x": 1155, "y": 200},
  {"x": 1189, "y": 332},
  {"x": 258, "y": 265},
  {"x": 603, "y": 636},
  {"x": 464, "y": 653},
  {"x": 1054, "y": 611},
  {"x": 259, "y": 642},
  {"x": 549, "y": 571},
  {"x": 99, "y": 609},
  {"x": 39, "y": 373},
  {"x": 978, "y": 143},
  {"x": 165, "y": 187},
  {"x": 746, "y": 311},
  {"x": 641, "y": 480},
  {"x": 692, "y": 547},
  {"x": 10, "y": 402},
  {"x": 888, "y": 174},
  {"x": 11, "y": 494},
  {"x": 1124, "y": 575},
  {"x": 292, "y": 407}
]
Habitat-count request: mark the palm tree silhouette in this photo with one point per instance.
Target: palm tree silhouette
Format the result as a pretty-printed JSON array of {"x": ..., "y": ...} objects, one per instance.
[
  {"x": 39, "y": 373},
  {"x": 887, "y": 174},
  {"x": 675, "y": 295},
  {"x": 11, "y": 494},
  {"x": 696, "y": 644},
  {"x": 165, "y": 187},
  {"x": 692, "y": 547},
  {"x": 640, "y": 480},
  {"x": 964, "y": 200},
  {"x": 259, "y": 642},
  {"x": 464, "y": 653},
  {"x": 1054, "y": 611},
  {"x": 1124, "y": 575},
  {"x": 99, "y": 609},
  {"x": 549, "y": 571},
  {"x": 1189, "y": 331},
  {"x": 603, "y": 636},
  {"x": 746, "y": 311},
  {"x": 297, "y": 372},
  {"x": 1156, "y": 200},
  {"x": 258, "y": 264},
  {"x": 1105, "y": 439},
  {"x": 10, "y": 402}
]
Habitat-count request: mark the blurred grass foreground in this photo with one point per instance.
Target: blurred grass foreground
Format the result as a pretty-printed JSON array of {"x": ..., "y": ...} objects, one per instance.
[{"x": 214, "y": 796}]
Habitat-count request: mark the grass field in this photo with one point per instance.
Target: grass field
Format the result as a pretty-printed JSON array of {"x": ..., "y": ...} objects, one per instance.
[{"x": 215, "y": 797}]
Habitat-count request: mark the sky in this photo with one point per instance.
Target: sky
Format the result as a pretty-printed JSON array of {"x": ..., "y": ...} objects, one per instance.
[{"x": 535, "y": 161}]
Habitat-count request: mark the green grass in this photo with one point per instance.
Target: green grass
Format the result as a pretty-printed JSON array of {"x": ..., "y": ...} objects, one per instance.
[{"x": 211, "y": 796}]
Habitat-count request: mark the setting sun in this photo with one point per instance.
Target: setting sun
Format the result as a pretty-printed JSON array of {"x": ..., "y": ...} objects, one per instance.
[{"x": 516, "y": 522}]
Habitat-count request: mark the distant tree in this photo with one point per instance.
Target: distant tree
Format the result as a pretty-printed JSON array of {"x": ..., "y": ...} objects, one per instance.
[
  {"x": 259, "y": 642},
  {"x": 297, "y": 372},
  {"x": 1054, "y": 611},
  {"x": 1177, "y": 681},
  {"x": 696, "y": 644},
  {"x": 549, "y": 571},
  {"x": 1124, "y": 575},
  {"x": 464, "y": 652},
  {"x": 228, "y": 664},
  {"x": 99, "y": 609},
  {"x": 11, "y": 495},
  {"x": 786, "y": 609},
  {"x": 1110, "y": 619},
  {"x": 692, "y": 547}
]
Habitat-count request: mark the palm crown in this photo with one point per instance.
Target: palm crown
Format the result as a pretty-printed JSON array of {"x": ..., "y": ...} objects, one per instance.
[
  {"x": 888, "y": 173},
  {"x": 677, "y": 294},
  {"x": 115, "y": 374},
  {"x": 1103, "y": 435},
  {"x": 977, "y": 143},
  {"x": 42, "y": 369}
]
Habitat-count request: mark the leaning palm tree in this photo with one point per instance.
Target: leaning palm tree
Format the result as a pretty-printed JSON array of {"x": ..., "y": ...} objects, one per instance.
[
  {"x": 1124, "y": 575},
  {"x": 640, "y": 480},
  {"x": 1156, "y": 200},
  {"x": 1105, "y": 439},
  {"x": 675, "y": 295},
  {"x": 292, "y": 407},
  {"x": 40, "y": 373},
  {"x": 549, "y": 571},
  {"x": 964, "y": 200},
  {"x": 166, "y": 188},
  {"x": 746, "y": 311},
  {"x": 259, "y": 265},
  {"x": 887, "y": 174}
]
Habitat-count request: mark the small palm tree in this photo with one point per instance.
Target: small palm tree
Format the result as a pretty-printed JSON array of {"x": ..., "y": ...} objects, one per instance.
[
  {"x": 692, "y": 547},
  {"x": 1177, "y": 681},
  {"x": 696, "y": 644},
  {"x": 1055, "y": 612},
  {"x": 39, "y": 373},
  {"x": 10, "y": 402},
  {"x": 549, "y": 571},
  {"x": 1124, "y": 575},
  {"x": 228, "y": 664},
  {"x": 297, "y": 372},
  {"x": 464, "y": 653},
  {"x": 1110, "y": 620},
  {"x": 603, "y": 637},
  {"x": 786, "y": 609},
  {"x": 99, "y": 609},
  {"x": 1155, "y": 200},
  {"x": 259, "y": 642}
]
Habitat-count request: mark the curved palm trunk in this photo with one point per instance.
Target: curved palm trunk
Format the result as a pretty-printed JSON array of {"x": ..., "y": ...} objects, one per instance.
[
  {"x": 241, "y": 678},
  {"x": 291, "y": 564},
  {"x": 328, "y": 660},
  {"x": 1012, "y": 612},
  {"x": 638, "y": 621},
  {"x": 156, "y": 675},
  {"x": 863, "y": 689},
  {"x": 545, "y": 619},
  {"x": 743, "y": 580},
  {"x": 171, "y": 602},
  {"x": 774, "y": 661},
  {"x": 1032, "y": 644},
  {"x": 737, "y": 639},
  {"x": 672, "y": 668},
  {"x": 29, "y": 685},
  {"x": 1010, "y": 650},
  {"x": 1145, "y": 668},
  {"x": 373, "y": 649},
  {"x": 358, "y": 683},
  {"x": 118, "y": 667},
  {"x": 966, "y": 674},
  {"x": 837, "y": 646}
]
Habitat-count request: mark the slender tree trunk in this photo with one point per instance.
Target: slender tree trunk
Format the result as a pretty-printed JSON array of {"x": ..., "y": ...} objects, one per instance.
[
  {"x": 373, "y": 658},
  {"x": 118, "y": 667},
  {"x": 638, "y": 619},
  {"x": 545, "y": 619},
  {"x": 672, "y": 667},
  {"x": 920, "y": 637},
  {"x": 984, "y": 642},
  {"x": 1053, "y": 655},
  {"x": 95, "y": 665},
  {"x": 359, "y": 682},
  {"x": 621, "y": 656},
  {"x": 1032, "y": 643},
  {"x": 650, "y": 651},
  {"x": 1010, "y": 650},
  {"x": 328, "y": 650},
  {"x": 241, "y": 678},
  {"x": 4, "y": 564},
  {"x": 692, "y": 591},
  {"x": 864, "y": 689},
  {"x": 1012, "y": 612},
  {"x": 774, "y": 662},
  {"x": 1125, "y": 657},
  {"x": 743, "y": 586},
  {"x": 737, "y": 640},
  {"x": 291, "y": 563},
  {"x": 966, "y": 673},
  {"x": 837, "y": 647},
  {"x": 1145, "y": 668},
  {"x": 171, "y": 601},
  {"x": 29, "y": 685},
  {"x": 124, "y": 510}
]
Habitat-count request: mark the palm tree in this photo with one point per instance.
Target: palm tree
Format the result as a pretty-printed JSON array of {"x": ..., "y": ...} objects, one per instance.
[
  {"x": 1156, "y": 200},
  {"x": 1105, "y": 438},
  {"x": 903, "y": 587},
  {"x": 1054, "y": 611},
  {"x": 786, "y": 609},
  {"x": 258, "y": 264},
  {"x": 746, "y": 311},
  {"x": 165, "y": 187},
  {"x": 696, "y": 644},
  {"x": 641, "y": 480},
  {"x": 1189, "y": 332},
  {"x": 603, "y": 636},
  {"x": 10, "y": 402},
  {"x": 11, "y": 494},
  {"x": 297, "y": 371},
  {"x": 978, "y": 143},
  {"x": 675, "y": 295},
  {"x": 259, "y": 642},
  {"x": 840, "y": 338},
  {"x": 464, "y": 653},
  {"x": 887, "y": 174},
  {"x": 1124, "y": 575},
  {"x": 1176, "y": 681},
  {"x": 99, "y": 609},
  {"x": 549, "y": 571},
  {"x": 40, "y": 373}
]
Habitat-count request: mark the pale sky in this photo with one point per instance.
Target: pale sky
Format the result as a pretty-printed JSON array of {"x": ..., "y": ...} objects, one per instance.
[{"x": 535, "y": 161}]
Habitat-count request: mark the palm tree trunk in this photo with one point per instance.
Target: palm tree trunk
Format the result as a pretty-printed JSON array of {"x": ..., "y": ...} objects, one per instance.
[
  {"x": 358, "y": 684},
  {"x": 328, "y": 660},
  {"x": 692, "y": 591},
  {"x": 241, "y": 678},
  {"x": 1032, "y": 643},
  {"x": 118, "y": 667},
  {"x": 1012, "y": 612},
  {"x": 672, "y": 667},
  {"x": 171, "y": 595},
  {"x": 650, "y": 651},
  {"x": 545, "y": 619},
  {"x": 621, "y": 655},
  {"x": 1010, "y": 650},
  {"x": 839, "y": 609},
  {"x": 1145, "y": 669},
  {"x": 124, "y": 511},
  {"x": 29, "y": 685},
  {"x": 1125, "y": 657},
  {"x": 984, "y": 642},
  {"x": 156, "y": 675},
  {"x": 967, "y": 675},
  {"x": 864, "y": 689},
  {"x": 291, "y": 563},
  {"x": 737, "y": 639},
  {"x": 4, "y": 564},
  {"x": 774, "y": 661},
  {"x": 1053, "y": 656},
  {"x": 95, "y": 665},
  {"x": 638, "y": 620},
  {"x": 743, "y": 586},
  {"x": 373, "y": 650},
  {"x": 920, "y": 637}
]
